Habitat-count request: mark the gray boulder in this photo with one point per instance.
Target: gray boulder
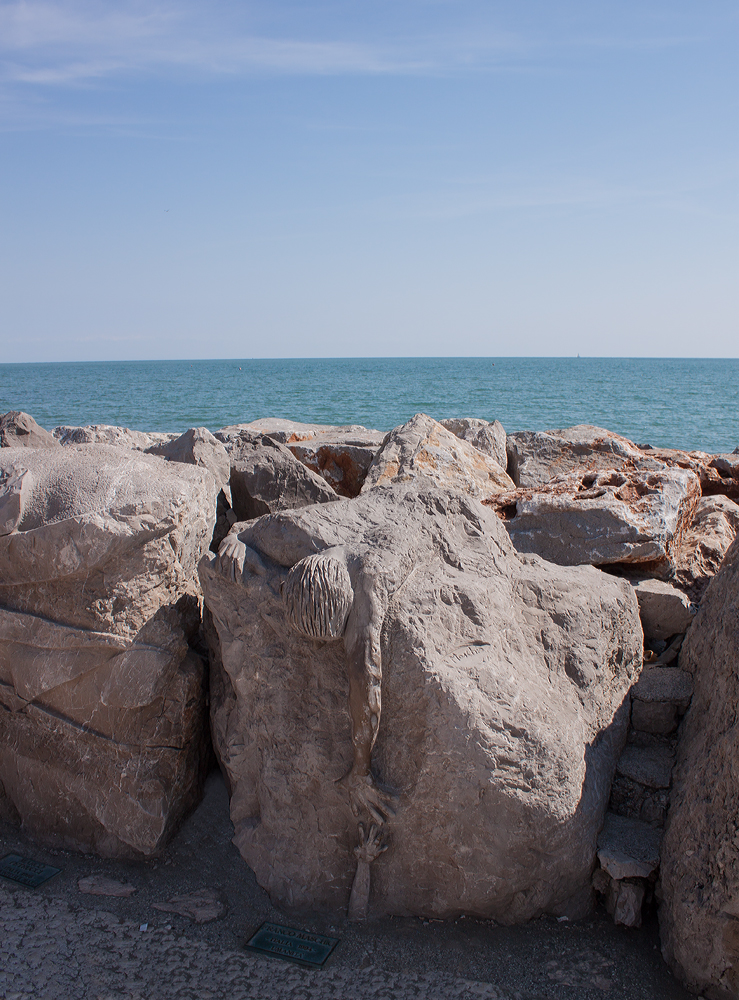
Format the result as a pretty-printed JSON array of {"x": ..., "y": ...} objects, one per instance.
[
  {"x": 494, "y": 685},
  {"x": 103, "y": 729},
  {"x": 483, "y": 435},
  {"x": 20, "y": 430},
  {"x": 423, "y": 447},
  {"x": 705, "y": 543},
  {"x": 603, "y": 518},
  {"x": 197, "y": 446},
  {"x": 699, "y": 915},
  {"x": 266, "y": 477},
  {"x": 665, "y": 611}
]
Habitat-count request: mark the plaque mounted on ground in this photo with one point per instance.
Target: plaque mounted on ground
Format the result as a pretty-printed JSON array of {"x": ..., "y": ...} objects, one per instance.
[
  {"x": 301, "y": 947},
  {"x": 25, "y": 871}
]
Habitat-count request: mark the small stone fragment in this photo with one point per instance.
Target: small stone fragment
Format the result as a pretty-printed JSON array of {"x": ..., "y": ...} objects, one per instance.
[
  {"x": 99, "y": 885},
  {"x": 201, "y": 906}
]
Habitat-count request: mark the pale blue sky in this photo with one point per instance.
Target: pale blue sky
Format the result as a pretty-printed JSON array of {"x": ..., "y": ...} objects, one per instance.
[{"x": 416, "y": 177}]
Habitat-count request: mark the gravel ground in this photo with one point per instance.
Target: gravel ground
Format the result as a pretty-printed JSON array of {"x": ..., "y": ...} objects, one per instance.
[{"x": 57, "y": 942}]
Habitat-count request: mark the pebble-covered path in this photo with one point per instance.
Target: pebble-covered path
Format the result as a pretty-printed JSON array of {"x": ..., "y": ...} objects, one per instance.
[{"x": 49, "y": 952}]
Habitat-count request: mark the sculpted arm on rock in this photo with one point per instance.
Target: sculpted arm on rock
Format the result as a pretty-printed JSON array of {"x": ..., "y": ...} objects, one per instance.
[{"x": 325, "y": 601}]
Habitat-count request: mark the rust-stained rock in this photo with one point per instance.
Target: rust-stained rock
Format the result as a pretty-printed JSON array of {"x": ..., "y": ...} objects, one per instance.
[
  {"x": 699, "y": 915},
  {"x": 504, "y": 686},
  {"x": 718, "y": 474},
  {"x": 341, "y": 457},
  {"x": 102, "y": 727},
  {"x": 603, "y": 518},
  {"x": 424, "y": 448},
  {"x": 20, "y": 430},
  {"x": 536, "y": 457},
  {"x": 714, "y": 527}
]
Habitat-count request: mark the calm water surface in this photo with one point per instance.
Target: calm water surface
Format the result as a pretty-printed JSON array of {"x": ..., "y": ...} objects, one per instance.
[{"x": 682, "y": 403}]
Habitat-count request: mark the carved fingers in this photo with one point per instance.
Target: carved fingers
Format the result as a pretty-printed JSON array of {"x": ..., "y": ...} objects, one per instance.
[
  {"x": 234, "y": 555},
  {"x": 371, "y": 844},
  {"x": 365, "y": 794},
  {"x": 231, "y": 555}
]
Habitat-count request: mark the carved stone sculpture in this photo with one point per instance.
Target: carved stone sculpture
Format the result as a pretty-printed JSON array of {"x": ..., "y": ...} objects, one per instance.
[{"x": 393, "y": 661}]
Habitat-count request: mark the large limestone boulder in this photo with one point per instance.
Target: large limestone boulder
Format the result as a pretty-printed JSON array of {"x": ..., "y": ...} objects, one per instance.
[
  {"x": 665, "y": 611},
  {"x": 484, "y": 435},
  {"x": 603, "y": 518},
  {"x": 20, "y": 430},
  {"x": 704, "y": 545},
  {"x": 535, "y": 457},
  {"x": 495, "y": 685},
  {"x": 423, "y": 447},
  {"x": 266, "y": 477},
  {"x": 103, "y": 734},
  {"x": 197, "y": 446},
  {"x": 699, "y": 915}
]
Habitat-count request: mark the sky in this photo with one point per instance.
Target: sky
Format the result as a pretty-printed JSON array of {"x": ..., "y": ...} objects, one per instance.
[{"x": 344, "y": 178}]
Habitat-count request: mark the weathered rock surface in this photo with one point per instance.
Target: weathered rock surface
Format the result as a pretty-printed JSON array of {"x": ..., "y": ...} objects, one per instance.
[
  {"x": 504, "y": 686},
  {"x": 603, "y": 518},
  {"x": 102, "y": 703},
  {"x": 341, "y": 457},
  {"x": 424, "y": 448},
  {"x": 197, "y": 446},
  {"x": 664, "y": 609},
  {"x": 703, "y": 547},
  {"x": 121, "y": 437},
  {"x": 699, "y": 916},
  {"x": 535, "y": 457},
  {"x": 485, "y": 436},
  {"x": 266, "y": 477},
  {"x": 20, "y": 430},
  {"x": 718, "y": 474},
  {"x": 291, "y": 431}
]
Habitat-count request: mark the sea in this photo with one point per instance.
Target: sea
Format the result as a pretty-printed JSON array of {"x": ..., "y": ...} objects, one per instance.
[{"x": 680, "y": 403}]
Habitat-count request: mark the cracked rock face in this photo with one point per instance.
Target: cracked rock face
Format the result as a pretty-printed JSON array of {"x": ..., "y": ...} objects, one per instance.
[
  {"x": 602, "y": 518},
  {"x": 699, "y": 916},
  {"x": 423, "y": 447},
  {"x": 503, "y": 681},
  {"x": 102, "y": 703}
]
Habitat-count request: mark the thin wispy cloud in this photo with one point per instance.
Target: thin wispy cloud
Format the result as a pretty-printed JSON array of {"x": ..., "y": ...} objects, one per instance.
[{"x": 63, "y": 42}]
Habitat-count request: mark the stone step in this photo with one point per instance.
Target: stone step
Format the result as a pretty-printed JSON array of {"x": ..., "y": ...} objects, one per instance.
[
  {"x": 650, "y": 766},
  {"x": 628, "y": 848},
  {"x": 667, "y": 684}
]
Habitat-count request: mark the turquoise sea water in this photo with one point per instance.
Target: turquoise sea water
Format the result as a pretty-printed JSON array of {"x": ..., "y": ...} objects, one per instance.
[{"x": 682, "y": 403}]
